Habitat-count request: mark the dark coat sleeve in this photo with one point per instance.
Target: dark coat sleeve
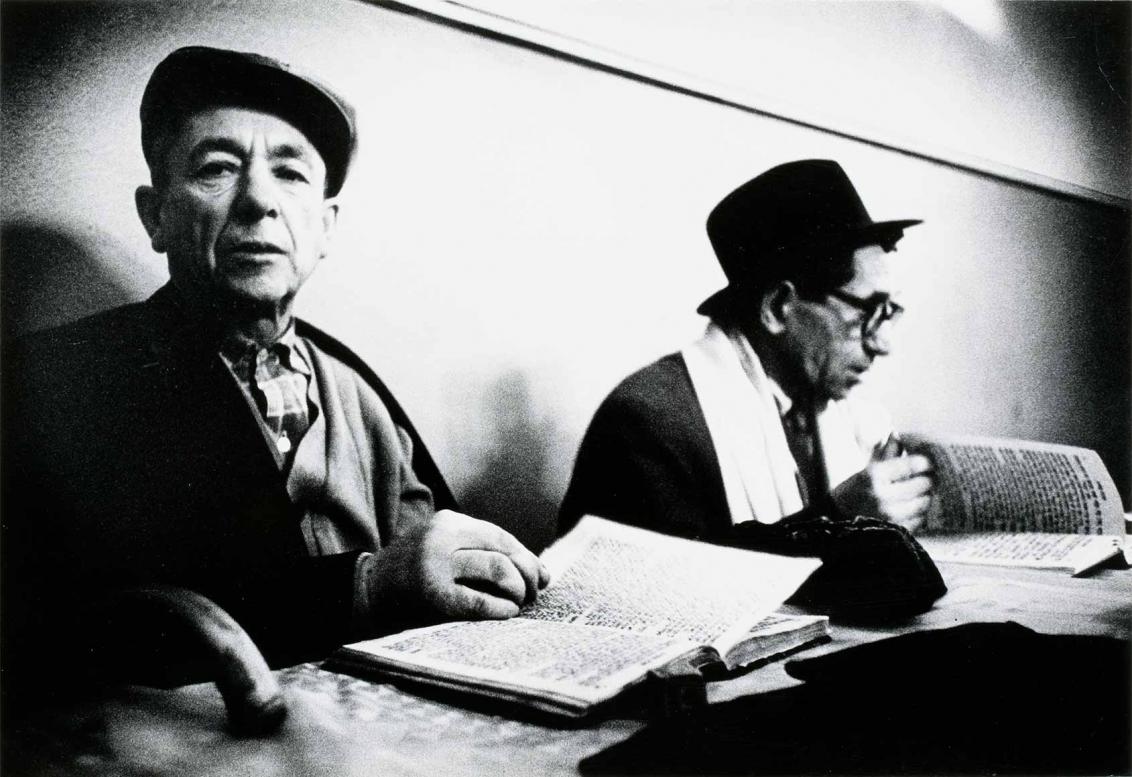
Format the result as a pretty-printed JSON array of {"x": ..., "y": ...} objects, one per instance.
[{"x": 647, "y": 459}]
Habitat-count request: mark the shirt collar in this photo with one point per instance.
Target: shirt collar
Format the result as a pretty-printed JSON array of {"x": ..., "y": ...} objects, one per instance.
[
  {"x": 237, "y": 350},
  {"x": 293, "y": 353},
  {"x": 781, "y": 398}
]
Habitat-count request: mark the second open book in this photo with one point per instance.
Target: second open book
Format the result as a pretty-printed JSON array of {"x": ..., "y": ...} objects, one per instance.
[
  {"x": 1019, "y": 503},
  {"x": 621, "y": 602}
]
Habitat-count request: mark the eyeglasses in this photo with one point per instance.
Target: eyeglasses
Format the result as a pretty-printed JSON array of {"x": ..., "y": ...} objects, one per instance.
[{"x": 875, "y": 310}]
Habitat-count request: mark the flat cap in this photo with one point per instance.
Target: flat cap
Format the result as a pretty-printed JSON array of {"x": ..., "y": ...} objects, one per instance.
[{"x": 197, "y": 77}]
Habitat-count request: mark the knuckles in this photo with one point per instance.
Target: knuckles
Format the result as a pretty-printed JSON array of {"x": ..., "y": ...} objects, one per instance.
[{"x": 498, "y": 568}]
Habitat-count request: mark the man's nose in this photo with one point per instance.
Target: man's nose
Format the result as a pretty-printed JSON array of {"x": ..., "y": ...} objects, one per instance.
[
  {"x": 878, "y": 343},
  {"x": 258, "y": 195}
]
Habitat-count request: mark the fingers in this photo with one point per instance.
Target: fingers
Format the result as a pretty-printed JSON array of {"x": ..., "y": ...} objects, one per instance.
[
  {"x": 531, "y": 571},
  {"x": 911, "y": 524},
  {"x": 889, "y": 449},
  {"x": 528, "y": 566},
  {"x": 893, "y": 489},
  {"x": 490, "y": 572},
  {"x": 910, "y": 514},
  {"x": 903, "y": 467},
  {"x": 910, "y": 488},
  {"x": 457, "y": 567},
  {"x": 905, "y": 500},
  {"x": 477, "y": 534},
  {"x": 461, "y": 602}
]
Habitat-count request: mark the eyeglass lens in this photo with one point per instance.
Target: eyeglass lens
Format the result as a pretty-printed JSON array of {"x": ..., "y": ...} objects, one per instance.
[{"x": 876, "y": 311}]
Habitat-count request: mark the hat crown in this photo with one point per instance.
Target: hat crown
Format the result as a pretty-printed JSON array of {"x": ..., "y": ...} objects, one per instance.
[{"x": 787, "y": 207}]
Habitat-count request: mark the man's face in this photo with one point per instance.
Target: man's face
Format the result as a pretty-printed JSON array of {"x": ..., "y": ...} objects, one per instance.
[
  {"x": 242, "y": 215},
  {"x": 823, "y": 340}
]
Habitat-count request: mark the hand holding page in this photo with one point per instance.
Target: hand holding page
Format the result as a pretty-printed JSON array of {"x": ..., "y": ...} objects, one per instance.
[{"x": 1019, "y": 503}]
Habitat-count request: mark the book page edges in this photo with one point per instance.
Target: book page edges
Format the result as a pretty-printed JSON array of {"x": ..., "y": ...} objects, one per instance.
[
  {"x": 373, "y": 657},
  {"x": 786, "y": 636}
]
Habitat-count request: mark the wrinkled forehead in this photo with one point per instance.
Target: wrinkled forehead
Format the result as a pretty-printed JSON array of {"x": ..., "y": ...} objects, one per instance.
[
  {"x": 236, "y": 129},
  {"x": 238, "y": 126}
]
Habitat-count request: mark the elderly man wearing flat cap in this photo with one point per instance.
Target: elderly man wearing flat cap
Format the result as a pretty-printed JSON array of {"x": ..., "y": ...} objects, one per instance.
[
  {"x": 207, "y": 438},
  {"x": 756, "y": 421}
]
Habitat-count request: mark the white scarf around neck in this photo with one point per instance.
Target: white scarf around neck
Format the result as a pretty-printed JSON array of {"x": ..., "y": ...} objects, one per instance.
[{"x": 743, "y": 419}]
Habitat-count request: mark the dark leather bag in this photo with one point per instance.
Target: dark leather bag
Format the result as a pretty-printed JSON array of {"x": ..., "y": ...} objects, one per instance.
[{"x": 871, "y": 570}]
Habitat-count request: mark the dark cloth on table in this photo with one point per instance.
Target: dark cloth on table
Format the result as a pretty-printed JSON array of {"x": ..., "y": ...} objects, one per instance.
[{"x": 975, "y": 699}]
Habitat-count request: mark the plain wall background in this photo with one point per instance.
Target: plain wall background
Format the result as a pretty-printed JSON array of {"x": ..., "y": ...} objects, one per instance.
[
  {"x": 1041, "y": 86},
  {"x": 520, "y": 232}
]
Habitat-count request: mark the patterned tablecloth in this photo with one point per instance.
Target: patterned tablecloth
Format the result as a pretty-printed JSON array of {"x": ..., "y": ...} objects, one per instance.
[{"x": 336, "y": 725}]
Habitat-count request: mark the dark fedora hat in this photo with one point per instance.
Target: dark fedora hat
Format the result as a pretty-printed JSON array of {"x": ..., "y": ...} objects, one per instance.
[
  {"x": 197, "y": 77},
  {"x": 795, "y": 212}
]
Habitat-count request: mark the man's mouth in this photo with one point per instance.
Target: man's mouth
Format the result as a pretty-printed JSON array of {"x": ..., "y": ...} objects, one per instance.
[{"x": 253, "y": 250}]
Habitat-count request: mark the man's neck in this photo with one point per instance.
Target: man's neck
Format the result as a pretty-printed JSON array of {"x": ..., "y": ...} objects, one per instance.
[
  {"x": 238, "y": 319},
  {"x": 260, "y": 330}
]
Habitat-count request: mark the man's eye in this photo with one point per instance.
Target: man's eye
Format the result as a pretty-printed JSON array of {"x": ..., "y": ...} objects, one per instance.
[
  {"x": 214, "y": 169},
  {"x": 291, "y": 174}
]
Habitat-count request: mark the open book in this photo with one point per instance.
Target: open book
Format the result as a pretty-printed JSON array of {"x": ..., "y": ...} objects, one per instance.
[
  {"x": 622, "y": 601},
  {"x": 1017, "y": 503}
]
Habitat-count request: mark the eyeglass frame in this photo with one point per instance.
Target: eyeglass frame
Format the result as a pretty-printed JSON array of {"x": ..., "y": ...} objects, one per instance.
[{"x": 877, "y": 310}]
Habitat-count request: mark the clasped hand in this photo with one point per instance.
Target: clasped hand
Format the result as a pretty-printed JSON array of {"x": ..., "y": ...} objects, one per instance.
[
  {"x": 896, "y": 488},
  {"x": 457, "y": 567}
]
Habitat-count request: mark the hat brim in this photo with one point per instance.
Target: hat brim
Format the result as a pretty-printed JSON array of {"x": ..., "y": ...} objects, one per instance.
[{"x": 881, "y": 233}]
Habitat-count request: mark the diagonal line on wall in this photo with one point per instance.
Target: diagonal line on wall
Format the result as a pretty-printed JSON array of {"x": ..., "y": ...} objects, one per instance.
[{"x": 467, "y": 18}]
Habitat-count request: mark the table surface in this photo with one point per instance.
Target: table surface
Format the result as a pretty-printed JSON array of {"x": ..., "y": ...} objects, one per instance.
[{"x": 340, "y": 725}]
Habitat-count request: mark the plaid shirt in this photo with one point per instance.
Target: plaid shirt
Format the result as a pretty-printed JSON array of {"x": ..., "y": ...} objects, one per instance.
[{"x": 277, "y": 379}]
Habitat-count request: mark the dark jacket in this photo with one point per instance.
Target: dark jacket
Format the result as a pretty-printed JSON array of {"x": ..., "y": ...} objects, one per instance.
[
  {"x": 647, "y": 459},
  {"x": 131, "y": 457}
]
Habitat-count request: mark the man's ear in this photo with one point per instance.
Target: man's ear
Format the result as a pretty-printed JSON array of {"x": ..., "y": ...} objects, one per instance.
[
  {"x": 329, "y": 224},
  {"x": 148, "y": 201},
  {"x": 775, "y": 306}
]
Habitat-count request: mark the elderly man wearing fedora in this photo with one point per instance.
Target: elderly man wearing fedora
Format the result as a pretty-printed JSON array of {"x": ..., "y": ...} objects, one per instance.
[
  {"x": 208, "y": 439},
  {"x": 756, "y": 421}
]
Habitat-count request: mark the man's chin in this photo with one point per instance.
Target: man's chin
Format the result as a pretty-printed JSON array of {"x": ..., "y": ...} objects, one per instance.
[
  {"x": 842, "y": 389},
  {"x": 258, "y": 295}
]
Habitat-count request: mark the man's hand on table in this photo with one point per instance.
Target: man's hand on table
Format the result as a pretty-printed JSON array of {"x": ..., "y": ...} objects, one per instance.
[{"x": 454, "y": 567}]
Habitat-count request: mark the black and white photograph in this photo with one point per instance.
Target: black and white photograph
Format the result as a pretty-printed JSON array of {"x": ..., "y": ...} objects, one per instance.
[{"x": 564, "y": 387}]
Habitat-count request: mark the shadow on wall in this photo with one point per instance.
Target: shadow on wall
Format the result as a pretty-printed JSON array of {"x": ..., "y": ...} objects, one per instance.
[
  {"x": 49, "y": 277},
  {"x": 512, "y": 485}
]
